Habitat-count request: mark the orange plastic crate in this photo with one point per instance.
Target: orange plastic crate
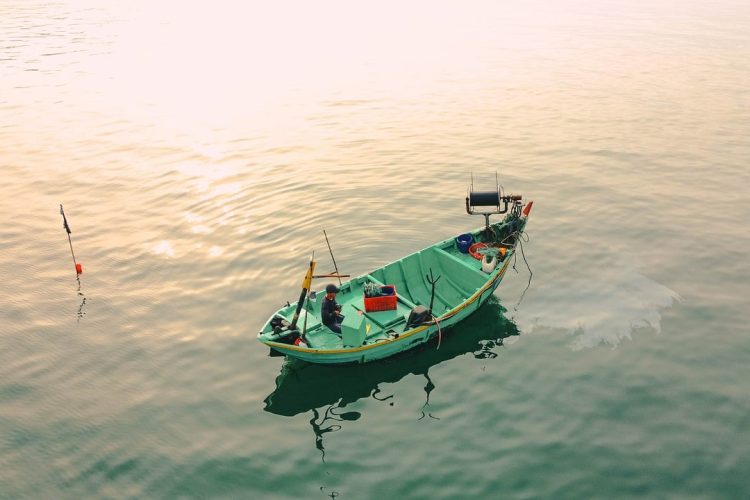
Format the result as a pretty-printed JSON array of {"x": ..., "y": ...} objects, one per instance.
[{"x": 382, "y": 303}]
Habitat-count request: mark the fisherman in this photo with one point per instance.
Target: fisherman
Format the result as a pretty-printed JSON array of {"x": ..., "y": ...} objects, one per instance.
[{"x": 330, "y": 311}]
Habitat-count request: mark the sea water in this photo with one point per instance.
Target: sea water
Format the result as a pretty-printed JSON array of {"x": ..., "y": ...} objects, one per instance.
[{"x": 200, "y": 150}]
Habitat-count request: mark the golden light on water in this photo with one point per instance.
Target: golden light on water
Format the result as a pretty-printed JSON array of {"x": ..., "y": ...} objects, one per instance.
[
  {"x": 214, "y": 91},
  {"x": 187, "y": 70}
]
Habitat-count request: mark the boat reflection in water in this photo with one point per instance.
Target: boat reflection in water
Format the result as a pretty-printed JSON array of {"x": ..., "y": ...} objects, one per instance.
[{"x": 326, "y": 390}]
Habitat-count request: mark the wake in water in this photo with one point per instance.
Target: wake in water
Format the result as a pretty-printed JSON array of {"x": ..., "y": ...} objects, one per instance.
[{"x": 597, "y": 306}]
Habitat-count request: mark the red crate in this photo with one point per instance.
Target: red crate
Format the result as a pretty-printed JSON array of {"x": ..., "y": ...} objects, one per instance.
[{"x": 382, "y": 303}]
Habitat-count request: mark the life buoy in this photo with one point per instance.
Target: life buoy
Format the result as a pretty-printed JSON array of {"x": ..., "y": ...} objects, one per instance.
[{"x": 474, "y": 250}]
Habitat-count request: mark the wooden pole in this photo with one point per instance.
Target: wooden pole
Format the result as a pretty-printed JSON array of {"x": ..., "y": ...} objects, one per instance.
[{"x": 332, "y": 258}]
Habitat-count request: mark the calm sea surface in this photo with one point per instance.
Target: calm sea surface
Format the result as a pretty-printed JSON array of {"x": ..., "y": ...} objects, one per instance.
[{"x": 199, "y": 152}]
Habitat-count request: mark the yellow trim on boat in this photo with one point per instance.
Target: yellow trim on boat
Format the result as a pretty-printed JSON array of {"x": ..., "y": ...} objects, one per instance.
[{"x": 404, "y": 335}]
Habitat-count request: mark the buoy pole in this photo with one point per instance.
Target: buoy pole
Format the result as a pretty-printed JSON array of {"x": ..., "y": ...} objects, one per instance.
[{"x": 78, "y": 267}]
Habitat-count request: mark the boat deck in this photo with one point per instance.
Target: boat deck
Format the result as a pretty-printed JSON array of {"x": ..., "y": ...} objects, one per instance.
[{"x": 460, "y": 277}]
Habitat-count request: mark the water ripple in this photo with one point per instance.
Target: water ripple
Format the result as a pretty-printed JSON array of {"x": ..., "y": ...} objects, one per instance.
[{"x": 198, "y": 173}]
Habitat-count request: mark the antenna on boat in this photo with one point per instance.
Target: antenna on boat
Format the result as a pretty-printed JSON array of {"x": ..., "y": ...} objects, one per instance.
[{"x": 500, "y": 189}]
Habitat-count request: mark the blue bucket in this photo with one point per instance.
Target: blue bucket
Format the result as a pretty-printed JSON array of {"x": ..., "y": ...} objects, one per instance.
[{"x": 464, "y": 241}]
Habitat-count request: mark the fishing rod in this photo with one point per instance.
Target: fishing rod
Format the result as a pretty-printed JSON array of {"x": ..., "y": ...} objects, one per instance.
[
  {"x": 79, "y": 267},
  {"x": 338, "y": 275}
]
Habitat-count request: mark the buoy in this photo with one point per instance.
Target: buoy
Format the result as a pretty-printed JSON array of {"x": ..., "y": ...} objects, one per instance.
[
  {"x": 528, "y": 208},
  {"x": 79, "y": 267}
]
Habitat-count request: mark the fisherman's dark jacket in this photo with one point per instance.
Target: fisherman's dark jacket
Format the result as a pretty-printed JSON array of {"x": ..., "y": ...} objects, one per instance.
[{"x": 328, "y": 311}]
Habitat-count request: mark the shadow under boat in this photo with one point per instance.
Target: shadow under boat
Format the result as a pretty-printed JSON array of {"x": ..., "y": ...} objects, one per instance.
[{"x": 301, "y": 386}]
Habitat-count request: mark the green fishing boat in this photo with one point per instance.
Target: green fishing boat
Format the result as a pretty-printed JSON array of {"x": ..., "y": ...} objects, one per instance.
[{"x": 408, "y": 302}]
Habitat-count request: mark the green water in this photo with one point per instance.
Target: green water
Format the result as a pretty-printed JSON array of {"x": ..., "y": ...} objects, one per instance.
[{"x": 199, "y": 153}]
